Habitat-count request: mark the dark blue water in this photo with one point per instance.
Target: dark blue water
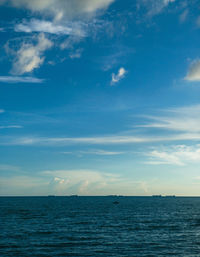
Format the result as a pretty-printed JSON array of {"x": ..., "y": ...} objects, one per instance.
[{"x": 94, "y": 226}]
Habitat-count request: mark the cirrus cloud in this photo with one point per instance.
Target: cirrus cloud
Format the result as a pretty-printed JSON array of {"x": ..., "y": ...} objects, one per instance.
[
  {"x": 155, "y": 7},
  {"x": 18, "y": 79},
  {"x": 35, "y": 25}
]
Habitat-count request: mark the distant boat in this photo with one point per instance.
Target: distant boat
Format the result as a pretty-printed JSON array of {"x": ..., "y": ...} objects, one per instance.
[
  {"x": 115, "y": 202},
  {"x": 170, "y": 196},
  {"x": 114, "y": 195}
]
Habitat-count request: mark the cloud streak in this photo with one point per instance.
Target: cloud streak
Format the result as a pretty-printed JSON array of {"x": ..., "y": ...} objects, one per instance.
[
  {"x": 175, "y": 124},
  {"x": 35, "y": 25},
  {"x": 184, "y": 119},
  {"x": 17, "y": 79},
  {"x": 104, "y": 140},
  {"x": 11, "y": 126},
  {"x": 95, "y": 152}
]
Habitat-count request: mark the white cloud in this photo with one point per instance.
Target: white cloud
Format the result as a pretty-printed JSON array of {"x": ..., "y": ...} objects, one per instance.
[
  {"x": 59, "y": 9},
  {"x": 84, "y": 187},
  {"x": 29, "y": 56},
  {"x": 35, "y": 25},
  {"x": 101, "y": 152},
  {"x": 95, "y": 152},
  {"x": 194, "y": 71},
  {"x": 57, "y": 185},
  {"x": 184, "y": 119},
  {"x": 84, "y": 182},
  {"x": 69, "y": 182},
  {"x": 74, "y": 19},
  {"x": 10, "y": 126},
  {"x": 59, "y": 180},
  {"x": 175, "y": 155},
  {"x": 160, "y": 157},
  {"x": 117, "y": 77},
  {"x": 16, "y": 79},
  {"x": 104, "y": 140}
]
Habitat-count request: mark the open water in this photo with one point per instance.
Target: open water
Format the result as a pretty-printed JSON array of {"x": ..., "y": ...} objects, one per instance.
[{"x": 95, "y": 226}]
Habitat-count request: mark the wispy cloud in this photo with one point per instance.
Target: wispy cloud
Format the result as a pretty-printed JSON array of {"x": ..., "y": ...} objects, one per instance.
[
  {"x": 155, "y": 7},
  {"x": 29, "y": 56},
  {"x": 180, "y": 155},
  {"x": 117, "y": 77},
  {"x": 35, "y": 25},
  {"x": 173, "y": 124},
  {"x": 10, "y": 127},
  {"x": 70, "y": 42},
  {"x": 17, "y": 79},
  {"x": 183, "y": 119},
  {"x": 104, "y": 140},
  {"x": 2, "y": 111},
  {"x": 102, "y": 152},
  {"x": 118, "y": 55},
  {"x": 96, "y": 152},
  {"x": 194, "y": 71}
]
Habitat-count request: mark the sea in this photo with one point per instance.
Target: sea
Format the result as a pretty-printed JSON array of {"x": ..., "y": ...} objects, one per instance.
[{"x": 100, "y": 226}]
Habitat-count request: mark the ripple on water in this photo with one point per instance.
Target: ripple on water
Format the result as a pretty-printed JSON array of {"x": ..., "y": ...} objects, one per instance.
[{"x": 93, "y": 226}]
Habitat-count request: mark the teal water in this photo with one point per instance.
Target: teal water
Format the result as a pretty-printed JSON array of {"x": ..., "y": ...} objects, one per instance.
[{"x": 95, "y": 226}]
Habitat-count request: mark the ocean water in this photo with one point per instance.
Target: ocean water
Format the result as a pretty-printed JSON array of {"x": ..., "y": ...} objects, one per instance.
[{"x": 95, "y": 226}]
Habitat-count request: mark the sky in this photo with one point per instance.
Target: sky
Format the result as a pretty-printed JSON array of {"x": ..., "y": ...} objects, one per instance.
[{"x": 99, "y": 97}]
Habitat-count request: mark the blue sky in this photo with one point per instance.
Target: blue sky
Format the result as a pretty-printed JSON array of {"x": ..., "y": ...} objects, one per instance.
[{"x": 99, "y": 97}]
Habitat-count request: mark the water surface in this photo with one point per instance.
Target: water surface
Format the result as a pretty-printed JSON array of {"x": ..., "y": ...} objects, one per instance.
[{"x": 95, "y": 226}]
